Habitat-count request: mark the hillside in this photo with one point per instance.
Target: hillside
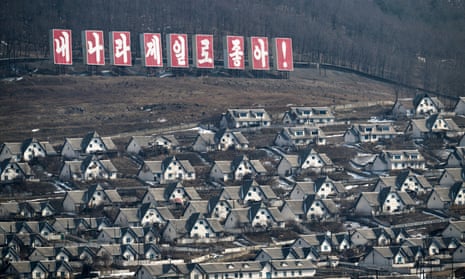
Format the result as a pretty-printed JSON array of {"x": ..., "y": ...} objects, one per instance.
[
  {"x": 69, "y": 105},
  {"x": 414, "y": 42}
]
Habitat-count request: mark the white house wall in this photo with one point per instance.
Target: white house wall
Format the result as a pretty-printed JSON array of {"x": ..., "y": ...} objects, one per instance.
[
  {"x": 95, "y": 145},
  {"x": 34, "y": 150}
]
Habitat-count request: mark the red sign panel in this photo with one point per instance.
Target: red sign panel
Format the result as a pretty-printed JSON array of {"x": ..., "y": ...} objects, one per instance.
[
  {"x": 282, "y": 54},
  {"x": 177, "y": 50},
  {"x": 62, "y": 50},
  {"x": 234, "y": 53},
  {"x": 151, "y": 50},
  {"x": 258, "y": 53},
  {"x": 120, "y": 49},
  {"x": 203, "y": 51},
  {"x": 93, "y": 47}
]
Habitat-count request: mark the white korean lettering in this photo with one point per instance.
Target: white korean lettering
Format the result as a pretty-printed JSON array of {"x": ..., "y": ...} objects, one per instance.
[
  {"x": 91, "y": 49},
  {"x": 237, "y": 53},
  {"x": 283, "y": 48},
  {"x": 153, "y": 49},
  {"x": 205, "y": 43},
  {"x": 180, "y": 50},
  {"x": 62, "y": 46},
  {"x": 259, "y": 52},
  {"x": 122, "y": 48}
]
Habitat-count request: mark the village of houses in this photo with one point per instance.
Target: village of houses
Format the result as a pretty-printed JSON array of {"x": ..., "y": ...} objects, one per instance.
[{"x": 307, "y": 193}]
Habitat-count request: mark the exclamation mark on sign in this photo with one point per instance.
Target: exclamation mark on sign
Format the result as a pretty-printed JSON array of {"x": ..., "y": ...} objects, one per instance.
[{"x": 283, "y": 47}]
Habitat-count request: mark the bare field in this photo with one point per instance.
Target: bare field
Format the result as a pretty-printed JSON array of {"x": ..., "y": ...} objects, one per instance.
[{"x": 69, "y": 105}]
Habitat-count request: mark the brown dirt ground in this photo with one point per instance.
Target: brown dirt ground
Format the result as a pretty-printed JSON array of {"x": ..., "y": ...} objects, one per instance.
[{"x": 67, "y": 105}]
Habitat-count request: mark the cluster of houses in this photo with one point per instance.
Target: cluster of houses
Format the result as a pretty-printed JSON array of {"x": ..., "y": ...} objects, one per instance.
[{"x": 186, "y": 219}]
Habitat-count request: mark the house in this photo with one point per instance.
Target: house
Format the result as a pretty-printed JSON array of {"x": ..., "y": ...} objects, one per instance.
[
  {"x": 109, "y": 235},
  {"x": 195, "y": 227},
  {"x": 50, "y": 253},
  {"x": 174, "y": 229},
  {"x": 321, "y": 242},
  {"x": 219, "y": 208},
  {"x": 301, "y": 189},
  {"x": 222, "y": 140},
  {"x": 227, "y": 139},
  {"x": 88, "y": 169},
  {"x": 92, "y": 143},
  {"x": 391, "y": 258},
  {"x": 458, "y": 254},
  {"x": 433, "y": 246},
  {"x": 167, "y": 142},
  {"x": 243, "y": 118},
  {"x": 243, "y": 269},
  {"x": 141, "y": 144},
  {"x": 132, "y": 234},
  {"x": 32, "y": 149},
  {"x": 439, "y": 198},
  {"x": 10, "y": 255},
  {"x": 149, "y": 214},
  {"x": 237, "y": 169},
  {"x": 308, "y": 115},
  {"x": 342, "y": 241},
  {"x": 276, "y": 253},
  {"x": 456, "y": 158},
  {"x": 230, "y": 193},
  {"x": 251, "y": 191},
  {"x": 150, "y": 271},
  {"x": 11, "y": 150},
  {"x": 436, "y": 125},
  {"x": 291, "y": 268},
  {"x": 309, "y": 160},
  {"x": 200, "y": 207},
  {"x": 317, "y": 162},
  {"x": 405, "y": 181},
  {"x": 426, "y": 105},
  {"x": 325, "y": 187},
  {"x": 95, "y": 196},
  {"x": 199, "y": 227},
  {"x": 457, "y": 193},
  {"x": 391, "y": 160},
  {"x": 127, "y": 217},
  {"x": 373, "y": 237},
  {"x": 11, "y": 170},
  {"x": 387, "y": 201},
  {"x": 36, "y": 209},
  {"x": 40, "y": 269},
  {"x": 370, "y": 132},
  {"x": 174, "y": 193},
  {"x": 455, "y": 229},
  {"x": 300, "y": 137},
  {"x": 319, "y": 209},
  {"x": 8, "y": 209},
  {"x": 257, "y": 216},
  {"x": 459, "y": 108},
  {"x": 168, "y": 170},
  {"x": 138, "y": 144},
  {"x": 449, "y": 176},
  {"x": 205, "y": 141},
  {"x": 288, "y": 165},
  {"x": 293, "y": 211},
  {"x": 310, "y": 209}
]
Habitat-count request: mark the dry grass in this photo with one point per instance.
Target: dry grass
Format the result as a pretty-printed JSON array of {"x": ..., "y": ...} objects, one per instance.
[{"x": 63, "y": 106}]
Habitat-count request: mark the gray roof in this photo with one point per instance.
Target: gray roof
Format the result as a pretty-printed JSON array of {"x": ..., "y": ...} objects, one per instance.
[
  {"x": 229, "y": 267},
  {"x": 283, "y": 265}
]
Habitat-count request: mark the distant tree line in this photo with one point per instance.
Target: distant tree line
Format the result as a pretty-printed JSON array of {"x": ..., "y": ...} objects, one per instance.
[{"x": 415, "y": 42}]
